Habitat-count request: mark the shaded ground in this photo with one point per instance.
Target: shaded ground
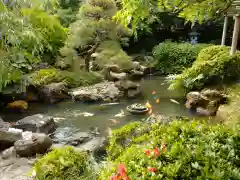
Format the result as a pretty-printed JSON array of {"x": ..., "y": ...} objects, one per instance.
[
  {"x": 15, "y": 168},
  {"x": 230, "y": 113}
]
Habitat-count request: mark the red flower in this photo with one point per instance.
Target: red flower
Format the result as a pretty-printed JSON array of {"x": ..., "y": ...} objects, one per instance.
[
  {"x": 147, "y": 152},
  {"x": 156, "y": 152},
  {"x": 152, "y": 169},
  {"x": 113, "y": 177},
  {"x": 122, "y": 170},
  {"x": 126, "y": 178}
]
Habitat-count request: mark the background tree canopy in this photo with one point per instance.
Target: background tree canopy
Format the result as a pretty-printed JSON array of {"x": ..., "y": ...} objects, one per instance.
[{"x": 134, "y": 12}]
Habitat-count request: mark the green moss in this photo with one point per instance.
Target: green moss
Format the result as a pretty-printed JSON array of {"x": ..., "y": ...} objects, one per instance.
[
  {"x": 173, "y": 58},
  {"x": 230, "y": 113},
  {"x": 72, "y": 79},
  {"x": 63, "y": 164},
  {"x": 188, "y": 150},
  {"x": 214, "y": 64}
]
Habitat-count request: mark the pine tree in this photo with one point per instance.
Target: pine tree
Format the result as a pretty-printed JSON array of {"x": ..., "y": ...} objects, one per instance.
[{"x": 94, "y": 25}]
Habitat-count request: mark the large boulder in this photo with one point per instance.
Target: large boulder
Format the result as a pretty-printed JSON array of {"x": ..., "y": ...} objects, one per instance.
[
  {"x": 206, "y": 102},
  {"x": 53, "y": 92},
  {"x": 7, "y": 137},
  {"x": 97, "y": 92},
  {"x": 95, "y": 145},
  {"x": 37, "y": 144},
  {"x": 135, "y": 75},
  {"x": 39, "y": 123},
  {"x": 126, "y": 85},
  {"x": 113, "y": 68}
]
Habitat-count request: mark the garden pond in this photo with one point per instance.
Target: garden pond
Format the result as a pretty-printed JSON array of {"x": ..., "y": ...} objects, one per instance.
[{"x": 84, "y": 117}]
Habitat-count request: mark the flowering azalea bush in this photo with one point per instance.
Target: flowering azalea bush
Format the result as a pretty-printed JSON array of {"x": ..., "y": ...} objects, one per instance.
[{"x": 179, "y": 150}]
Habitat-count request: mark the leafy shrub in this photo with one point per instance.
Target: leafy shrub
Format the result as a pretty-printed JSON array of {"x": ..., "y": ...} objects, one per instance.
[
  {"x": 173, "y": 58},
  {"x": 180, "y": 150},
  {"x": 63, "y": 164},
  {"x": 49, "y": 26},
  {"x": 110, "y": 52},
  {"x": 72, "y": 79},
  {"x": 213, "y": 64}
]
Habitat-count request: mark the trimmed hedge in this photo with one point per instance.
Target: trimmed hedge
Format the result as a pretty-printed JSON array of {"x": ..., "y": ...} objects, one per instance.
[
  {"x": 179, "y": 150},
  {"x": 213, "y": 65},
  {"x": 173, "y": 58}
]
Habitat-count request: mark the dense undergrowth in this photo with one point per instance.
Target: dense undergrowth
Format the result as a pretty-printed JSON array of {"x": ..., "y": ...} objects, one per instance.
[
  {"x": 72, "y": 79},
  {"x": 64, "y": 164},
  {"x": 173, "y": 57},
  {"x": 180, "y": 150},
  {"x": 214, "y": 65}
]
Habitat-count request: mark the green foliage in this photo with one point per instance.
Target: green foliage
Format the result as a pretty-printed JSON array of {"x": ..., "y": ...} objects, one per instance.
[
  {"x": 173, "y": 58},
  {"x": 213, "y": 64},
  {"x": 135, "y": 12},
  {"x": 183, "y": 150},
  {"x": 123, "y": 137},
  {"x": 94, "y": 25},
  {"x": 110, "y": 52},
  {"x": 67, "y": 11},
  {"x": 63, "y": 164},
  {"x": 52, "y": 31},
  {"x": 72, "y": 79},
  {"x": 27, "y": 32}
]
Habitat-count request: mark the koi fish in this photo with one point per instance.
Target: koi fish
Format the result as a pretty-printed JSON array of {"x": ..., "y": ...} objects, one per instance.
[{"x": 174, "y": 101}]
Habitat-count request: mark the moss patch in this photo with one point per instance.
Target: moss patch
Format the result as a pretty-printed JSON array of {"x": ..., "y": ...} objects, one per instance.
[
  {"x": 230, "y": 113},
  {"x": 72, "y": 79}
]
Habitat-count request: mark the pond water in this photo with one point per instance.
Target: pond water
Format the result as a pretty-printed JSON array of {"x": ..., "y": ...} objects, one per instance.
[{"x": 76, "y": 115}]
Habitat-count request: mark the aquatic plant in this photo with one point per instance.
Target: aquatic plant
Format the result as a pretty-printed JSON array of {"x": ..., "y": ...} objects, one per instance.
[{"x": 179, "y": 150}]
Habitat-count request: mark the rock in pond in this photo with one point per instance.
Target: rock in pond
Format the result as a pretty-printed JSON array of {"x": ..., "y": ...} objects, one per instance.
[
  {"x": 8, "y": 138},
  {"x": 53, "y": 92},
  {"x": 96, "y": 145},
  {"x": 136, "y": 75},
  {"x": 97, "y": 92},
  {"x": 38, "y": 144},
  {"x": 206, "y": 102},
  {"x": 39, "y": 123}
]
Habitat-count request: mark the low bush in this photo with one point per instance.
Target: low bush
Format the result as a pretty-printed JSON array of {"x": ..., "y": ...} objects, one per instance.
[
  {"x": 110, "y": 52},
  {"x": 173, "y": 58},
  {"x": 64, "y": 164},
  {"x": 179, "y": 150},
  {"x": 72, "y": 79},
  {"x": 213, "y": 65}
]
